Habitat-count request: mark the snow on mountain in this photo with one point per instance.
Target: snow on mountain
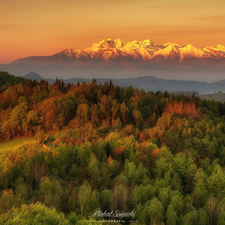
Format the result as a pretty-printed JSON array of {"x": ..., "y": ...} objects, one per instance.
[
  {"x": 220, "y": 48},
  {"x": 216, "y": 52},
  {"x": 190, "y": 51},
  {"x": 169, "y": 52},
  {"x": 72, "y": 53},
  {"x": 145, "y": 53},
  {"x": 146, "y": 50},
  {"x": 170, "y": 43}
]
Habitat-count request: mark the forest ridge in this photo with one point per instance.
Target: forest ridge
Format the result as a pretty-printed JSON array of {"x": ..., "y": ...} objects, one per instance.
[{"x": 105, "y": 147}]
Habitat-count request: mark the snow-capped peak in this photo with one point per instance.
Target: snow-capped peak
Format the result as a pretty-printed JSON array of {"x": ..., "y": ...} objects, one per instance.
[
  {"x": 220, "y": 47},
  {"x": 146, "y": 50}
]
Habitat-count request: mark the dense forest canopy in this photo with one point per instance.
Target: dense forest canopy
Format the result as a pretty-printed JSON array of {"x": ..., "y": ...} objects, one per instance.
[{"x": 105, "y": 147}]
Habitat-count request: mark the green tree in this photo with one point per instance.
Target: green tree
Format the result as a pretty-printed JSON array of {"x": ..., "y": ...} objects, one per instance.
[
  {"x": 190, "y": 218},
  {"x": 52, "y": 192},
  {"x": 73, "y": 219},
  {"x": 177, "y": 202},
  {"x": 216, "y": 182},
  {"x": 199, "y": 194},
  {"x": 84, "y": 195},
  {"x": 176, "y": 183},
  {"x": 171, "y": 216},
  {"x": 93, "y": 169},
  {"x": 221, "y": 220},
  {"x": 164, "y": 196},
  {"x": 106, "y": 201},
  {"x": 202, "y": 217},
  {"x": 156, "y": 211},
  {"x": 94, "y": 200},
  {"x": 33, "y": 214},
  {"x": 141, "y": 212}
]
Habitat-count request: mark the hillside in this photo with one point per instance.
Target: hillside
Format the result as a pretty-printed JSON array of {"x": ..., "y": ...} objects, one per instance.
[
  {"x": 33, "y": 76},
  {"x": 6, "y": 78},
  {"x": 103, "y": 148}
]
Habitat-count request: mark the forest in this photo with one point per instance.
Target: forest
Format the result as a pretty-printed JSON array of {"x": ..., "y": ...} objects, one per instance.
[{"x": 103, "y": 148}]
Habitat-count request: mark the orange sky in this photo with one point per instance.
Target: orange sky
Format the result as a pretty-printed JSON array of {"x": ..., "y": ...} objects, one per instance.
[{"x": 44, "y": 27}]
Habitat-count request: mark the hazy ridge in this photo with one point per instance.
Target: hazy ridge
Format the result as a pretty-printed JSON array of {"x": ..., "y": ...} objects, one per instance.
[{"x": 150, "y": 83}]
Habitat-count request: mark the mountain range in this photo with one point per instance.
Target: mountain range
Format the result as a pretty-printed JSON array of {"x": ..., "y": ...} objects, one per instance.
[
  {"x": 118, "y": 59},
  {"x": 125, "y": 52}
]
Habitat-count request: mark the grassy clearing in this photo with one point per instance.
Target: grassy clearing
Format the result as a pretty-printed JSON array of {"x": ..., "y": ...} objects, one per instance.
[{"x": 6, "y": 147}]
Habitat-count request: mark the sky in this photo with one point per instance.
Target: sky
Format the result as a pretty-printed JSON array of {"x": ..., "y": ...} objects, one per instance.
[{"x": 45, "y": 27}]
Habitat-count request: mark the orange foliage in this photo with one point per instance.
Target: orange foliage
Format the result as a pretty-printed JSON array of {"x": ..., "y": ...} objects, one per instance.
[
  {"x": 80, "y": 141},
  {"x": 156, "y": 133},
  {"x": 83, "y": 89},
  {"x": 74, "y": 123},
  {"x": 183, "y": 109},
  {"x": 154, "y": 156},
  {"x": 110, "y": 160},
  {"x": 128, "y": 129},
  {"x": 155, "y": 152},
  {"x": 2, "y": 96},
  {"x": 143, "y": 144},
  {"x": 143, "y": 137},
  {"x": 118, "y": 152},
  {"x": 56, "y": 87},
  {"x": 71, "y": 141}
]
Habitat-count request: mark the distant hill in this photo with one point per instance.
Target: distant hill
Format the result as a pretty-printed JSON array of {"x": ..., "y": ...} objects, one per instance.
[
  {"x": 33, "y": 76},
  {"x": 37, "y": 77},
  {"x": 218, "y": 96},
  {"x": 151, "y": 83}
]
